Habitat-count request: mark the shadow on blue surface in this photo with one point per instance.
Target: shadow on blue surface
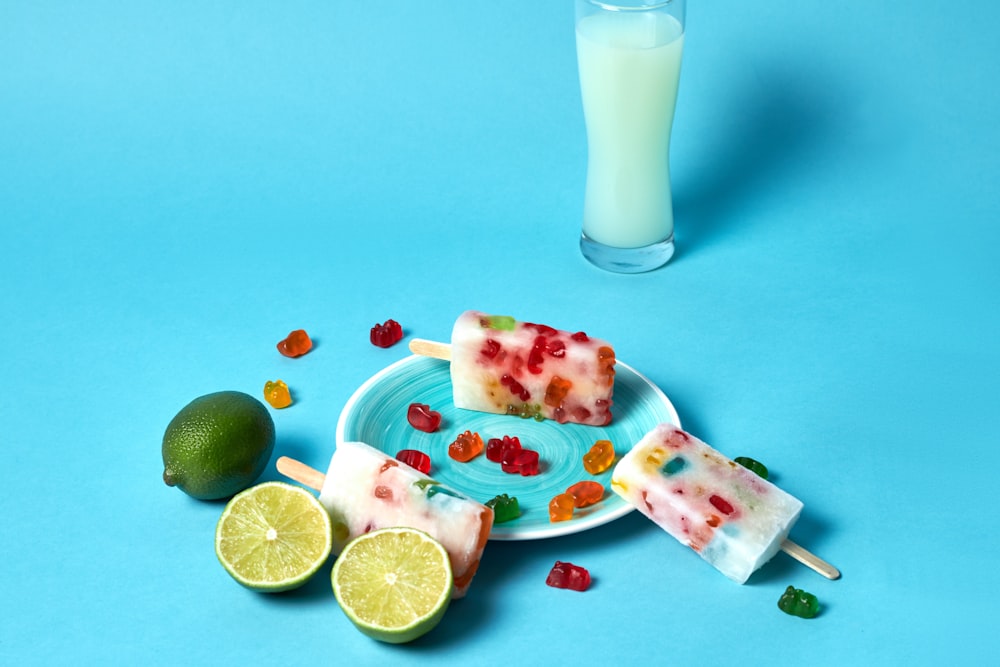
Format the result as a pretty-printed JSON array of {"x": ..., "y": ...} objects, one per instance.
[{"x": 785, "y": 129}]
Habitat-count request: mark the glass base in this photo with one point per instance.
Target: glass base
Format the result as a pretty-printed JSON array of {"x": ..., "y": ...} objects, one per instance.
[{"x": 627, "y": 260}]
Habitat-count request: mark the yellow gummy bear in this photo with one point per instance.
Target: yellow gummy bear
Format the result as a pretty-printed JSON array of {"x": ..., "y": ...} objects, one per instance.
[{"x": 276, "y": 393}]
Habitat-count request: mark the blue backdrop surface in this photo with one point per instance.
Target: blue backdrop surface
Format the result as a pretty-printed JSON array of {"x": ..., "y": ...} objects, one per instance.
[{"x": 182, "y": 184}]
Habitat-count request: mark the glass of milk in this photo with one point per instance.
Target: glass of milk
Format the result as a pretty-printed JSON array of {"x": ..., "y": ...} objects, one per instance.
[{"x": 629, "y": 55}]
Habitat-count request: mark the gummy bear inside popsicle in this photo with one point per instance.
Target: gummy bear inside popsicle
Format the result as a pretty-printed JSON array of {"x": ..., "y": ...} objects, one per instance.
[
  {"x": 365, "y": 489},
  {"x": 730, "y": 516},
  {"x": 505, "y": 366}
]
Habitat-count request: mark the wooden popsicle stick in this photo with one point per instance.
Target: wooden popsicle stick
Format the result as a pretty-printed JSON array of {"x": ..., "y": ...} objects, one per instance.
[
  {"x": 312, "y": 478},
  {"x": 430, "y": 348},
  {"x": 810, "y": 560},
  {"x": 300, "y": 472}
]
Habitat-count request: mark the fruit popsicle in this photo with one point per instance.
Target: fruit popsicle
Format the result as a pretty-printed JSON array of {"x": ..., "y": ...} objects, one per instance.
[
  {"x": 365, "y": 489},
  {"x": 732, "y": 518},
  {"x": 505, "y": 366}
]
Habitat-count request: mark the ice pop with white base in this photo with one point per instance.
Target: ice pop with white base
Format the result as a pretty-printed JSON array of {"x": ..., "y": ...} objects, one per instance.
[
  {"x": 506, "y": 366},
  {"x": 727, "y": 514},
  {"x": 365, "y": 489}
]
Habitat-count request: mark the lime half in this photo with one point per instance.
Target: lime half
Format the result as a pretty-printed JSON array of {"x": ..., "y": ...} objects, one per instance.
[
  {"x": 394, "y": 584},
  {"x": 273, "y": 536}
]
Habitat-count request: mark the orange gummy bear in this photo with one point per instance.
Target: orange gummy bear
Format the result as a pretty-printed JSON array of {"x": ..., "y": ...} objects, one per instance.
[
  {"x": 599, "y": 458},
  {"x": 556, "y": 392},
  {"x": 561, "y": 508},
  {"x": 466, "y": 447},
  {"x": 586, "y": 493},
  {"x": 295, "y": 344}
]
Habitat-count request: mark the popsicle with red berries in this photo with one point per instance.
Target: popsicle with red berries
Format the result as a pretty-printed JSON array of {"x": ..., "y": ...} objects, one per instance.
[{"x": 505, "y": 366}]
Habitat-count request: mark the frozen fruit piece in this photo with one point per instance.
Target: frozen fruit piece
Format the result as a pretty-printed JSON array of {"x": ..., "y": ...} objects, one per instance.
[
  {"x": 422, "y": 418},
  {"x": 387, "y": 334},
  {"x": 365, "y": 489},
  {"x": 567, "y": 575},
  {"x": 523, "y": 462},
  {"x": 505, "y": 508},
  {"x": 505, "y": 366},
  {"x": 599, "y": 458},
  {"x": 295, "y": 344},
  {"x": 586, "y": 493},
  {"x": 276, "y": 394},
  {"x": 797, "y": 602},
  {"x": 561, "y": 507},
  {"x": 415, "y": 459},
  {"x": 466, "y": 447}
]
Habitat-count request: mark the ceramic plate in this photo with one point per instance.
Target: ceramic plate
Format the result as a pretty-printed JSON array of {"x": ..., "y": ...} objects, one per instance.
[{"x": 376, "y": 414}]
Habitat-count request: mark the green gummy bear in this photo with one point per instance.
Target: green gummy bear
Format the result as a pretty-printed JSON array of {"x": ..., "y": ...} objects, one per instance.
[
  {"x": 501, "y": 322},
  {"x": 797, "y": 602},
  {"x": 753, "y": 466},
  {"x": 505, "y": 508}
]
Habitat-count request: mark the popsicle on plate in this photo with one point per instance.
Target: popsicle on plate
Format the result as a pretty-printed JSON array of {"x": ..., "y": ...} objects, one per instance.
[
  {"x": 365, "y": 489},
  {"x": 732, "y": 518},
  {"x": 505, "y": 366}
]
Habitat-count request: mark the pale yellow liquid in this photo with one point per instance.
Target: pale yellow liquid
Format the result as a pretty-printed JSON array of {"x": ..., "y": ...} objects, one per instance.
[{"x": 629, "y": 72}]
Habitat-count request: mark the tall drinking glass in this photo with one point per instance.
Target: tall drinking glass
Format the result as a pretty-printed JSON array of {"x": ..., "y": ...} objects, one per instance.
[{"x": 629, "y": 55}]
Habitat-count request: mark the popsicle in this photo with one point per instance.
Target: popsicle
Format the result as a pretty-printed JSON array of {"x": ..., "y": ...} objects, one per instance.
[
  {"x": 505, "y": 366},
  {"x": 365, "y": 489},
  {"x": 732, "y": 518}
]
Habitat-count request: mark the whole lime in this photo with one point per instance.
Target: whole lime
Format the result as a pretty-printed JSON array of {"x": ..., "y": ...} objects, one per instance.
[{"x": 217, "y": 445}]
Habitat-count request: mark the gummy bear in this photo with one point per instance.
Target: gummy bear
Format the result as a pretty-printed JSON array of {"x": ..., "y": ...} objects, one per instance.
[
  {"x": 497, "y": 448},
  {"x": 561, "y": 507},
  {"x": 556, "y": 392},
  {"x": 422, "y": 418},
  {"x": 586, "y": 493},
  {"x": 386, "y": 335},
  {"x": 466, "y": 447},
  {"x": 498, "y": 322},
  {"x": 295, "y": 344},
  {"x": 797, "y": 602},
  {"x": 505, "y": 508},
  {"x": 567, "y": 575},
  {"x": 753, "y": 466},
  {"x": 276, "y": 393},
  {"x": 415, "y": 459},
  {"x": 599, "y": 458},
  {"x": 523, "y": 462}
]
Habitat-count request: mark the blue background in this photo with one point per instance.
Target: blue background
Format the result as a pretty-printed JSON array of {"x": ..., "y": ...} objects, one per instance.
[{"x": 183, "y": 183}]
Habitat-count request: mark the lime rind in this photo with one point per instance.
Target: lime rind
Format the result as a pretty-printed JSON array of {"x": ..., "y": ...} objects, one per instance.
[
  {"x": 217, "y": 445},
  {"x": 273, "y": 537},
  {"x": 393, "y": 584}
]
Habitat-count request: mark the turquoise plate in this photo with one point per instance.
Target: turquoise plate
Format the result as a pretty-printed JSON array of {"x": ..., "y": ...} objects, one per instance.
[{"x": 376, "y": 415}]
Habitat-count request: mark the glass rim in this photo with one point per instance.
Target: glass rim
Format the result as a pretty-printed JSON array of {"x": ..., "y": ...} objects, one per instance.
[{"x": 615, "y": 6}]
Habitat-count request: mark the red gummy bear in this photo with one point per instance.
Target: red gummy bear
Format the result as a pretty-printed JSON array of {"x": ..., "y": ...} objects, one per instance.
[
  {"x": 422, "y": 418},
  {"x": 523, "y": 461},
  {"x": 415, "y": 459},
  {"x": 567, "y": 575},
  {"x": 497, "y": 449},
  {"x": 386, "y": 335},
  {"x": 295, "y": 344}
]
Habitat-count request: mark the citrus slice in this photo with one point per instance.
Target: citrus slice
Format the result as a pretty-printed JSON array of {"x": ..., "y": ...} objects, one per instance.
[
  {"x": 394, "y": 584},
  {"x": 273, "y": 536}
]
